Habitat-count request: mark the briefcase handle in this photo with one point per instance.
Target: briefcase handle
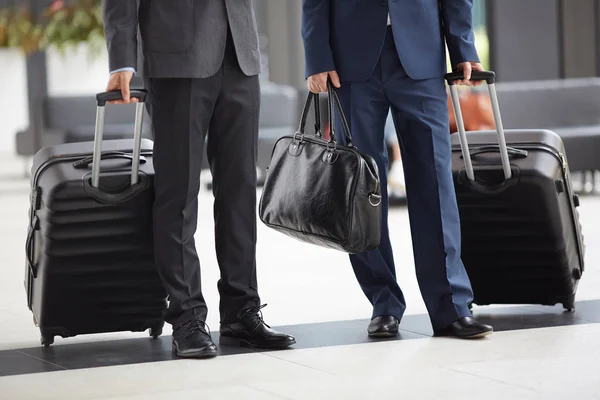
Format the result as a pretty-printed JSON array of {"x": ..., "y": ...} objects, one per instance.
[
  {"x": 490, "y": 78},
  {"x": 333, "y": 99},
  {"x": 101, "y": 100},
  {"x": 312, "y": 97}
]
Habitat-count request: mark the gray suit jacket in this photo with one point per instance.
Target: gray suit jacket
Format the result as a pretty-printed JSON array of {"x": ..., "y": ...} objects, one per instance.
[{"x": 180, "y": 38}]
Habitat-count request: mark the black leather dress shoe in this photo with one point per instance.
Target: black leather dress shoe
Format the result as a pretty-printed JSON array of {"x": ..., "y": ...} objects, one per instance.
[
  {"x": 192, "y": 340},
  {"x": 252, "y": 331},
  {"x": 383, "y": 326},
  {"x": 465, "y": 328}
]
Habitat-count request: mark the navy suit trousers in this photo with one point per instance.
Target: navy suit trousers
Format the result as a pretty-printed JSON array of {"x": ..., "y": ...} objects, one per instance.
[{"x": 420, "y": 113}]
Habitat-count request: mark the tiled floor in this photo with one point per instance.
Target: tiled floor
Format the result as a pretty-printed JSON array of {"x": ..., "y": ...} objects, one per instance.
[
  {"x": 536, "y": 353},
  {"x": 551, "y": 363},
  {"x": 318, "y": 335}
]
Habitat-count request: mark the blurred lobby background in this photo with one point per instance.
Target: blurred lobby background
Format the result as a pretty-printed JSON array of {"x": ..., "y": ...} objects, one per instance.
[
  {"x": 548, "y": 48},
  {"x": 546, "y": 54}
]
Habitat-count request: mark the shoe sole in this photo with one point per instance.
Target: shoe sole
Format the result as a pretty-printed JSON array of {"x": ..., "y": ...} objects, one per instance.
[
  {"x": 477, "y": 335},
  {"x": 474, "y": 336},
  {"x": 200, "y": 354},
  {"x": 229, "y": 341},
  {"x": 382, "y": 335}
]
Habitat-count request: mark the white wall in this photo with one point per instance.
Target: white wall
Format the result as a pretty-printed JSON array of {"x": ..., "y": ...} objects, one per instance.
[
  {"x": 75, "y": 73},
  {"x": 13, "y": 99}
]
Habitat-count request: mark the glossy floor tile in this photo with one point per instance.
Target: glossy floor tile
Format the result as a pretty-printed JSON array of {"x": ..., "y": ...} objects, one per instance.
[
  {"x": 430, "y": 385},
  {"x": 153, "y": 378},
  {"x": 427, "y": 368},
  {"x": 13, "y": 362},
  {"x": 211, "y": 392},
  {"x": 108, "y": 353}
]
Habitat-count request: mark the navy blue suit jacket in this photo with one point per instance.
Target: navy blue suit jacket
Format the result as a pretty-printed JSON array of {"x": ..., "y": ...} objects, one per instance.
[{"x": 348, "y": 35}]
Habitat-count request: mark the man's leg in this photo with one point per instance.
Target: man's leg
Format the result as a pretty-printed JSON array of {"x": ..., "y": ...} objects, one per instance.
[
  {"x": 232, "y": 153},
  {"x": 421, "y": 116},
  {"x": 433, "y": 212},
  {"x": 232, "y": 149},
  {"x": 366, "y": 108},
  {"x": 180, "y": 110}
]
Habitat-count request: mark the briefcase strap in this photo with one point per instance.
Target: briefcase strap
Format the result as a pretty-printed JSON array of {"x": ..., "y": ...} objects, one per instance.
[
  {"x": 335, "y": 100},
  {"x": 311, "y": 98}
]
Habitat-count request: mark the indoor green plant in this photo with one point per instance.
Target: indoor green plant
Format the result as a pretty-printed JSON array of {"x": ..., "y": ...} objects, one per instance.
[
  {"x": 65, "y": 26},
  {"x": 61, "y": 26}
]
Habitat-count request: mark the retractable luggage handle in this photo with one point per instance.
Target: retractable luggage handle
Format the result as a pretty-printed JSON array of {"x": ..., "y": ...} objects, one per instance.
[
  {"x": 490, "y": 78},
  {"x": 101, "y": 99}
]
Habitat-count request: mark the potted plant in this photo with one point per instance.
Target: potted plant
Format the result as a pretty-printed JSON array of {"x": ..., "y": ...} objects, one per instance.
[
  {"x": 60, "y": 26},
  {"x": 69, "y": 26}
]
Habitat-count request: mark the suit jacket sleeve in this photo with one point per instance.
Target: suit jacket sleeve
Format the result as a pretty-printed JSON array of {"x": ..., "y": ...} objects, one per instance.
[
  {"x": 120, "y": 29},
  {"x": 315, "y": 33},
  {"x": 457, "y": 19}
]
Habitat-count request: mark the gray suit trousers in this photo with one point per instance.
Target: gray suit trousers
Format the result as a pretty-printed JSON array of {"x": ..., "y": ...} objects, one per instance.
[{"x": 224, "y": 109}]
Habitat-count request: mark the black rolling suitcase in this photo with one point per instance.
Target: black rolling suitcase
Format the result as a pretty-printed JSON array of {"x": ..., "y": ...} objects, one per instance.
[
  {"x": 90, "y": 265},
  {"x": 521, "y": 236}
]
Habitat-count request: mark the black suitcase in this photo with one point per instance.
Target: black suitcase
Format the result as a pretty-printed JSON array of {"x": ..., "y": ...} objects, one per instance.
[
  {"x": 521, "y": 236},
  {"x": 90, "y": 264}
]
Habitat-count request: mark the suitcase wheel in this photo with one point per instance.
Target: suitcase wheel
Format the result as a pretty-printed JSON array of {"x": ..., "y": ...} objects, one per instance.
[
  {"x": 46, "y": 340},
  {"x": 156, "y": 331},
  {"x": 569, "y": 305}
]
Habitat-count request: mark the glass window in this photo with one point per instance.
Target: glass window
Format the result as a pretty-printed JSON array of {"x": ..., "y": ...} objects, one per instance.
[{"x": 480, "y": 30}]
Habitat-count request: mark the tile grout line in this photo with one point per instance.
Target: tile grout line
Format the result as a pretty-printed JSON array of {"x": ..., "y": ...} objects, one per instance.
[
  {"x": 586, "y": 320},
  {"x": 272, "y": 355},
  {"x": 400, "y": 330},
  {"x": 42, "y": 360},
  {"x": 490, "y": 379},
  {"x": 267, "y": 392}
]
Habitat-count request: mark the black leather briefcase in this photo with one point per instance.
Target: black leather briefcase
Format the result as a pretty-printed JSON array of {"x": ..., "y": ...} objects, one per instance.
[{"x": 322, "y": 192}]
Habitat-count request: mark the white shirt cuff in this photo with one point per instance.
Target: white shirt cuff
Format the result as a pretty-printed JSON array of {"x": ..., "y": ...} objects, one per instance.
[{"x": 124, "y": 69}]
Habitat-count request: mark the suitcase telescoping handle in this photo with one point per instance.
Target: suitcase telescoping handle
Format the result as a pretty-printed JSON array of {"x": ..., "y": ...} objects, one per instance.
[
  {"x": 490, "y": 78},
  {"x": 101, "y": 99}
]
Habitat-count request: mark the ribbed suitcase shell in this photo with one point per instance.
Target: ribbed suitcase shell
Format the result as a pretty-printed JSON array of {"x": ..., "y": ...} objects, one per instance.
[
  {"x": 522, "y": 240},
  {"x": 92, "y": 254}
]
